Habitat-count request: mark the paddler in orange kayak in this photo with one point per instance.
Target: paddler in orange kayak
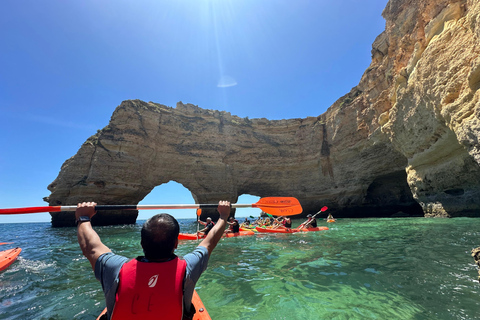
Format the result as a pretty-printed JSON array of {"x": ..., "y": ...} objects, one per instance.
[
  {"x": 208, "y": 226},
  {"x": 287, "y": 222},
  {"x": 284, "y": 222},
  {"x": 330, "y": 218},
  {"x": 310, "y": 223},
  {"x": 158, "y": 285},
  {"x": 234, "y": 226}
]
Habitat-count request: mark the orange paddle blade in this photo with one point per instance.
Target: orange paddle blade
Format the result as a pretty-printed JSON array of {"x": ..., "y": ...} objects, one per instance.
[
  {"x": 279, "y": 206},
  {"x": 199, "y": 212}
]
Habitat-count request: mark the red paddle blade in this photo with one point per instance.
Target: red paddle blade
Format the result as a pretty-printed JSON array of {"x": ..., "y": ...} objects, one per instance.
[
  {"x": 279, "y": 206},
  {"x": 199, "y": 212},
  {"x": 324, "y": 209}
]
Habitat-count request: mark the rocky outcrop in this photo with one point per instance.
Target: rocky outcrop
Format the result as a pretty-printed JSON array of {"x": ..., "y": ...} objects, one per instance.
[{"x": 404, "y": 140}]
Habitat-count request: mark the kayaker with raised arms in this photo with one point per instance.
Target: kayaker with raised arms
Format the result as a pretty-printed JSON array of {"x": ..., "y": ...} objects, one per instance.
[
  {"x": 158, "y": 285},
  {"x": 208, "y": 225}
]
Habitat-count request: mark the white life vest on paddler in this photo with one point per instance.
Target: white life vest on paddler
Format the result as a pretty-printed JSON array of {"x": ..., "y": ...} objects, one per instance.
[{"x": 150, "y": 290}]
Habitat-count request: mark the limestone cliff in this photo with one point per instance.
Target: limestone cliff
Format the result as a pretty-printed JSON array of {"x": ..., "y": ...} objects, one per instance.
[
  {"x": 404, "y": 139},
  {"x": 433, "y": 120}
]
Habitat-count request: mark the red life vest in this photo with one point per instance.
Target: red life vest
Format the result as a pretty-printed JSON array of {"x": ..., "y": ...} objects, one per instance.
[{"x": 150, "y": 290}]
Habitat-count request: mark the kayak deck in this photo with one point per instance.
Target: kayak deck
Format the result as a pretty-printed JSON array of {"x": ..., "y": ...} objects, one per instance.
[
  {"x": 278, "y": 230},
  {"x": 201, "y": 314},
  {"x": 248, "y": 229},
  {"x": 239, "y": 234},
  {"x": 8, "y": 257},
  {"x": 190, "y": 236},
  {"x": 311, "y": 229}
]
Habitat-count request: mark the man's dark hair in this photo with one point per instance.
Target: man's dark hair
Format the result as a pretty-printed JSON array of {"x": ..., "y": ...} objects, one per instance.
[{"x": 159, "y": 234}]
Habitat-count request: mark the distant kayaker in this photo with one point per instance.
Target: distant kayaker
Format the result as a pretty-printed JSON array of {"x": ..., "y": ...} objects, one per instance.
[
  {"x": 310, "y": 223},
  {"x": 257, "y": 222},
  {"x": 280, "y": 222},
  {"x": 267, "y": 222},
  {"x": 234, "y": 226},
  {"x": 287, "y": 222},
  {"x": 208, "y": 225},
  {"x": 330, "y": 218},
  {"x": 247, "y": 224},
  {"x": 157, "y": 285}
]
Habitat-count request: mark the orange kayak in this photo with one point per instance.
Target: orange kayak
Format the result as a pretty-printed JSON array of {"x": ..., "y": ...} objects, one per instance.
[
  {"x": 311, "y": 229},
  {"x": 271, "y": 230},
  {"x": 193, "y": 236},
  {"x": 286, "y": 230},
  {"x": 201, "y": 314},
  {"x": 8, "y": 257},
  {"x": 248, "y": 229}
]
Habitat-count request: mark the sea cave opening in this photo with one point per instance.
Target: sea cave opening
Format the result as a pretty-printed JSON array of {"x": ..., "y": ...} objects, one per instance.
[{"x": 169, "y": 193}]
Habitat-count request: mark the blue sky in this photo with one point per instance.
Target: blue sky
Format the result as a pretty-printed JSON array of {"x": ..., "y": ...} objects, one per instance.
[{"x": 66, "y": 65}]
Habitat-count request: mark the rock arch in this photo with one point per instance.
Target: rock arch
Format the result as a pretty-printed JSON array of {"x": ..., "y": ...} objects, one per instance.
[{"x": 213, "y": 154}]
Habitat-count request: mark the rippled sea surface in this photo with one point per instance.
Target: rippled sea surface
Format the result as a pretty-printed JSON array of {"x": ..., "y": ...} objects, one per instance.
[{"x": 412, "y": 268}]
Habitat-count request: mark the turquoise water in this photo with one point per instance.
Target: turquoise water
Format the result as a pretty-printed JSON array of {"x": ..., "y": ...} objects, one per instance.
[{"x": 412, "y": 268}]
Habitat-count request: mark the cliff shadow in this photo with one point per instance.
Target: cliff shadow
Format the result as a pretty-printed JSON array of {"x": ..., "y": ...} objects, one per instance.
[{"x": 387, "y": 196}]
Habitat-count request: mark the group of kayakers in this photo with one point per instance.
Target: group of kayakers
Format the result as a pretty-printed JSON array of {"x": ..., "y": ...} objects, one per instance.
[
  {"x": 284, "y": 222},
  {"x": 233, "y": 226},
  {"x": 268, "y": 222},
  {"x": 280, "y": 222}
]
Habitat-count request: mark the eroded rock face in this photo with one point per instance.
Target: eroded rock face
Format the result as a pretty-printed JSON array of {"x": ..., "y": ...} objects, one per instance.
[
  {"x": 434, "y": 119},
  {"x": 403, "y": 140}
]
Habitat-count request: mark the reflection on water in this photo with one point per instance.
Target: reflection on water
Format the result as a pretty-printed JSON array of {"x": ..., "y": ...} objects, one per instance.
[{"x": 359, "y": 269}]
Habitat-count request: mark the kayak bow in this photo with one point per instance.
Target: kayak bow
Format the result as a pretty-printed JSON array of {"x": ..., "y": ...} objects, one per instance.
[{"x": 8, "y": 257}]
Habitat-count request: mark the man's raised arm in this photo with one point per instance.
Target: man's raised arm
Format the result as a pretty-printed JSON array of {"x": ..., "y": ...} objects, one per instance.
[
  {"x": 89, "y": 241},
  {"x": 210, "y": 242}
]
